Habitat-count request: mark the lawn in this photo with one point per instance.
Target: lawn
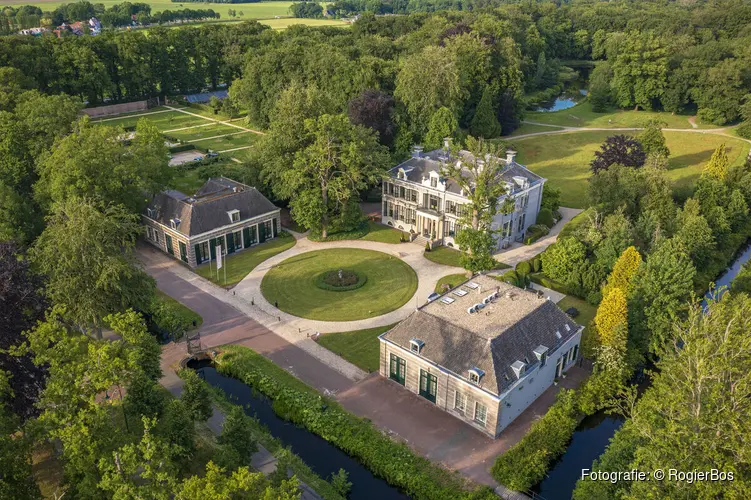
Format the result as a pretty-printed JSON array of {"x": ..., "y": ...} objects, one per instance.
[
  {"x": 361, "y": 347},
  {"x": 261, "y": 10},
  {"x": 239, "y": 140},
  {"x": 444, "y": 255},
  {"x": 528, "y": 128},
  {"x": 586, "y": 310},
  {"x": 239, "y": 264},
  {"x": 292, "y": 284},
  {"x": 196, "y": 134},
  {"x": 383, "y": 233},
  {"x": 564, "y": 158},
  {"x": 452, "y": 280},
  {"x": 582, "y": 115}
]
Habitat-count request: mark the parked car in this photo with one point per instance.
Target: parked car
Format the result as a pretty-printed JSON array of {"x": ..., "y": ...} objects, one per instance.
[{"x": 433, "y": 296}]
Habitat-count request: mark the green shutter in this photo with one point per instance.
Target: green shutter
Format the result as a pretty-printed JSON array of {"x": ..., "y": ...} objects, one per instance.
[
  {"x": 212, "y": 248},
  {"x": 170, "y": 248},
  {"x": 276, "y": 233},
  {"x": 230, "y": 243},
  {"x": 183, "y": 251},
  {"x": 261, "y": 232},
  {"x": 246, "y": 236},
  {"x": 198, "y": 254}
]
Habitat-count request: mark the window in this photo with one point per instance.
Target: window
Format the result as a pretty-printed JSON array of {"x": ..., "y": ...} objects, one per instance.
[
  {"x": 397, "y": 369},
  {"x": 428, "y": 385},
  {"x": 450, "y": 207},
  {"x": 150, "y": 212},
  {"x": 205, "y": 255},
  {"x": 234, "y": 215},
  {"x": 475, "y": 375},
  {"x": 173, "y": 223},
  {"x": 506, "y": 231},
  {"x": 576, "y": 352},
  {"x": 237, "y": 240},
  {"x": 413, "y": 195},
  {"x": 402, "y": 192},
  {"x": 543, "y": 358},
  {"x": 433, "y": 181},
  {"x": 385, "y": 210},
  {"x": 183, "y": 251},
  {"x": 268, "y": 229},
  {"x": 448, "y": 228},
  {"x": 391, "y": 189},
  {"x": 156, "y": 236},
  {"x": 522, "y": 221},
  {"x": 434, "y": 203},
  {"x": 148, "y": 233},
  {"x": 481, "y": 413},
  {"x": 391, "y": 210},
  {"x": 415, "y": 345},
  {"x": 460, "y": 401}
]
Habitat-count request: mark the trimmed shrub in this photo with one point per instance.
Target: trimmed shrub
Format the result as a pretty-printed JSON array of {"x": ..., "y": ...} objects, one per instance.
[
  {"x": 354, "y": 234},
  {"x": 535, "y": 232},
  {"x": 545, "y": 217},
  {"x": 351, "y": 280},
  {"x": 292, "y": 400},
  {"x": 537, "y": 264},
  {"x": 526, "y": 463},
  {"x": 524, "y": 267},
  {"x": 543, "y": 280}
]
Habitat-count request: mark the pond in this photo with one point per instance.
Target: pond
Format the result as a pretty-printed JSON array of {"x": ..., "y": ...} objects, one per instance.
[
  {"x": 566, "y": 100},
  {"x": 320, "y": 455},
  {"x": 593, "y": 434}
]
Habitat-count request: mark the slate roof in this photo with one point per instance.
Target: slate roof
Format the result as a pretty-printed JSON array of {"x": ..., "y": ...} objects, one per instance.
[
  {"x": 417, "y": 168},
  {"x": 207, "y": 209},
  {"x": 506, "y": 330}
]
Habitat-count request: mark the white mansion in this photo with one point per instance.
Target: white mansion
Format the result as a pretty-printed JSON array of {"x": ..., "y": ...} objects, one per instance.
[{"x": 418, "y": 200}]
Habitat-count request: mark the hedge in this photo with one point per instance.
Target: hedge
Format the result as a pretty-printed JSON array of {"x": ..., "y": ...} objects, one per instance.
[
  {"x": 304, "y": 406},
  {"x": 543, "y": 280},
  {"x": 545, "y": 217},
  {"x": 320, "y": 282},
  {"x": 353, "y": 234},
  {"x": 527, "y": 462},
  {"x": 181, "y": 148},
  {"x": 535, "y": 232}
]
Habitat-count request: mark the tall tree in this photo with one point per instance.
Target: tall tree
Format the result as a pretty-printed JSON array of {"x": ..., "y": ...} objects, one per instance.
[
  {"x": 483, "y": 186},
  {"x": 652, "y": 140},
  {"x": 640, "y": 70},
  {"x": 87, "y": 254},
  {"x": 624, "y": 271},
  {"x": 443, "y": 124},
  {"x": 618, "y": 149},
  {"x": 599, "y": 87},
  {"x": 717, "y": 167},
  {"x": 374, "y": 109},
  {"x": 484, "y": 123},
  {"x": 326, "y": 176}
]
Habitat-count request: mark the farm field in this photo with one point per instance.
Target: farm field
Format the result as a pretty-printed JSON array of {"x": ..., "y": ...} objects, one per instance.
[
  {"x": 582, "y": 115},
  {"x": 564, "y": 158},
  {"x": 280, "y": 24},
  {"x": 259, "y": 10}
]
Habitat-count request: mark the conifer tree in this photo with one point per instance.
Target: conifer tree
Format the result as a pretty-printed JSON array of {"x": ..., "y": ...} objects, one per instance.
[
  {"x": 623, "y": 271},
  {"x": 485, "y": 123},
  {"x": 718, "y": 164}
]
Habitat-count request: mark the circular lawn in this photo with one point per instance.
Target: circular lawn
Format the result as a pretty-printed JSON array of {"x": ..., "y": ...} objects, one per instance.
[{"x": 294, "y": 285}]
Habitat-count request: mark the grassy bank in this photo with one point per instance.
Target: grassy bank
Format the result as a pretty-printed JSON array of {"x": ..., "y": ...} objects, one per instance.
[{"x": 360, "y": 347}]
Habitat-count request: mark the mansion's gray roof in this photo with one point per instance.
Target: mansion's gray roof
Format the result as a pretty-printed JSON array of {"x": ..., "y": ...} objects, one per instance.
[
  {"x": 508, "y": 329},
  {"x": 208, "y": 208},
  {"x": 419, "y": 167}
]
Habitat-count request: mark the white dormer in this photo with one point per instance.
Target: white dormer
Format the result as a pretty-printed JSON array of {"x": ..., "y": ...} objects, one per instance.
[
  {"x": 174, "y": 223},
  {"x": 234, "y": 216},
  {"x": 416, "y": 345},
  {"x": 520, "y": 181},
  {"x": 150, "y": 212},
  {"x": 475, "y": 375},
  {"x": 519, "y": 368},
  {"x": 542, "y": 354}
]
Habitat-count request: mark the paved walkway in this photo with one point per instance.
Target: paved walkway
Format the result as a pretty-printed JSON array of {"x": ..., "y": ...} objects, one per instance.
[
  {"x": 428, "y": 274},
  {"x": 520, "y": 252}
]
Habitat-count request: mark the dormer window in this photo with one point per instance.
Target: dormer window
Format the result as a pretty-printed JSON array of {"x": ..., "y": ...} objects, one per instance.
[
  {"x": 557, "y": 334},
  {"x": 150, "y": 212},
  {"x": 174, "y": 223},
  {"x": 415, "y": 345},
  {"x": 475, "y": 375},
  {"x": 400, "y": 174},
  {"x": 519, "y": 368},
  {"x": 568, "y": 328},
  {"x": 542, "y": 354},
  {"x": 234, "y": 215}
]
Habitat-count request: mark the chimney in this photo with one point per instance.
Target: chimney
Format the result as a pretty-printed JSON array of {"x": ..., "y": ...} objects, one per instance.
[
  {"x": 510, "y": 156},
  {"x": 416, "y": 151}
]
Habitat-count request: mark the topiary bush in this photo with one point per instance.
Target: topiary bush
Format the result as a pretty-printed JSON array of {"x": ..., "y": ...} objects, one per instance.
[
  {"x": 350, "y": 280},
  {"x": 537, "y": 264},
  {"x": 524, "y": 267},
  {"x": 535, "y": 232},
  {"x": 545, "y": 217}
]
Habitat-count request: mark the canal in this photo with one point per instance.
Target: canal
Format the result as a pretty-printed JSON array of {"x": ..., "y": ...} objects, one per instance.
[
  {"x": 593, "y": 434},
  {"x": 320, "y": 455}
]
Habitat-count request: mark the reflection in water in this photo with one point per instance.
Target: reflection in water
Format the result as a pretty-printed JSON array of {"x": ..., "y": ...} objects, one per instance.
[
  {"x": 321, "y": 456},
  {"x": 564, "y": 101}
]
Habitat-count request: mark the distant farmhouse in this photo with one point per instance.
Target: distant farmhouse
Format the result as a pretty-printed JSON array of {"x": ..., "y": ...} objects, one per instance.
[
  {"x": 482, "y": 352},
  {"x": 223, "y": 212},
  {"x": 419, "y": 200}
]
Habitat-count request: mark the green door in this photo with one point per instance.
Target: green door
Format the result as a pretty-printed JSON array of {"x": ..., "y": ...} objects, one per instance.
[
  {"x": 276, "y": 233},
  {"x": 428, "y": 385},
  {"x": 261, "y": 232},
  {"x": 183, "y": 251},
  {"x": 170, "y": 248},
  {"x": 230, "y": 243},
  {"x": 398, "y": 369},
  {"x": 246, "y": 236},
  {"x": 212, "y": 248},
  {"x": 198, "y": 253}
]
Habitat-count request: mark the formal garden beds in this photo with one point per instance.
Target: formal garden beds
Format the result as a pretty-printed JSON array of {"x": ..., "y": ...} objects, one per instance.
[
  {"x": 342, "y": 280},
  {"x": 238, "y": 265},
  {"x": 302, "y": 405},
  {"x": 292, "y": 285}
]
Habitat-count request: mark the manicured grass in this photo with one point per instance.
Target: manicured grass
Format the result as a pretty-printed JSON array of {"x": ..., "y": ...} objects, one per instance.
[
  {"x": 239, "y": 264},
  {"x": 528, "y": 128},
  {"x": 239, "y": 140},
  {"x": 186, "y": 314},
  {"x": 196, "y": 134},
  {"x": 582, "y": 115},
  {"x": 162, "y": 120},
  {"x": 452, "y": 280},
  {"x": 383, "y": 233},
  {"x": 391, "y": 283},
  {"x": 444, "y": 255},
  {"x": 564, "y": 158},
  {"x": 360, "y": 347},
  {"x": 261, "y": 10},
  {"x": 586, "y": 310}
]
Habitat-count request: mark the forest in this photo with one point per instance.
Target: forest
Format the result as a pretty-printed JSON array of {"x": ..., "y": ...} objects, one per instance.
[{"x": 374, "y": 90}]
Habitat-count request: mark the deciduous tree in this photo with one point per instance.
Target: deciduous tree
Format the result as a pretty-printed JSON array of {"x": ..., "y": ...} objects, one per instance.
[{"x": 618, "y": 149}]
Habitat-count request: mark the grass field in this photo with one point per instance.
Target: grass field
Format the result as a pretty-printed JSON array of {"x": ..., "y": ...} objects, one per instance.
[
  {"x": 260, "y": 10},
  {"x": 528, "y": 128},
  {"x": 239, "y": 264},
  {"x": 390, "y": 284},
  {"x": 383, "y": 233},
  {"x": 564, "y": 158},
  {"x": 280, "y": 24},
  {"x": 444, "y": 255},
  {"x": 582, "y": 115},
  {"x": 361, "y": 347},
  {"x": 239, "y": 140}
]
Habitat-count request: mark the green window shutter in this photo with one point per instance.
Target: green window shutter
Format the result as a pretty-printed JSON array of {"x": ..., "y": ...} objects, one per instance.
[
  {"x": 170, "y": 248},
  {"x": 246, "y": 236},
  {"x": 183, "y": 251},
  {"x": 276, "y": 231},
  {"x": 261, "y": 232},
  {"x": 212, "y": 248},
  {"x": 198, "y": 254},
  {"x": 230, "y": 243}
]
